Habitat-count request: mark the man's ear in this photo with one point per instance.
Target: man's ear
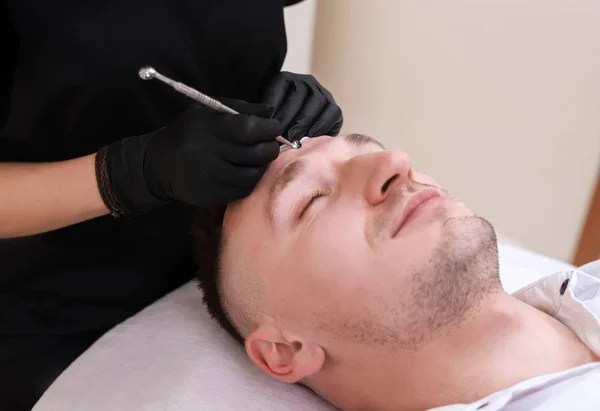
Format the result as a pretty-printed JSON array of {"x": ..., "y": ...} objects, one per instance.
[{"x": 287, "y": 361}]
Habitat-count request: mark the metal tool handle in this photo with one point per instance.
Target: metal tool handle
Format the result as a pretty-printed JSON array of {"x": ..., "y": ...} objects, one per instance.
[
  {"x": 203, "y": 98},
  {"x": 148, "y": 73}
]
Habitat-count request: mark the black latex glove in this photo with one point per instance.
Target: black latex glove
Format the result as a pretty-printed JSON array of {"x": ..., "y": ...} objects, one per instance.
[
  {"x": 303, "y": 106},
  {"x": 203, "y": 158}
]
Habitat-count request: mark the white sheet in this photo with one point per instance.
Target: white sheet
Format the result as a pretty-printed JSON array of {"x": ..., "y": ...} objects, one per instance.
[{"x": 173, "y": 357}]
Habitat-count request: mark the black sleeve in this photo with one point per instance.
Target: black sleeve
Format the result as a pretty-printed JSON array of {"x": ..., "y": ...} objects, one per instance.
[
  {"x": 292, "y": 2},
  {"x": 9, "y": 45}
]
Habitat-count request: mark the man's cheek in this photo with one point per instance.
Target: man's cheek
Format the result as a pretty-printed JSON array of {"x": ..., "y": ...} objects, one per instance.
[{"x": 337, "y": 247}]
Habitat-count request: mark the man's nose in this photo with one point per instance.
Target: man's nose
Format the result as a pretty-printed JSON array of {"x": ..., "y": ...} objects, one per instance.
[{"x": 384, "y": 171}]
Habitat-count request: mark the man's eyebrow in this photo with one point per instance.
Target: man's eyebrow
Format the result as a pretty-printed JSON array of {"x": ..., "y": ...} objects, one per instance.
[
  {"x": 361, "y": 140},
  {"x": 289, "y": 173}
]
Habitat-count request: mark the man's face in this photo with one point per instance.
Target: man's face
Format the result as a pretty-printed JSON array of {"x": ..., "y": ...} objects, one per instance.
[{"x": 346, "y": 241}]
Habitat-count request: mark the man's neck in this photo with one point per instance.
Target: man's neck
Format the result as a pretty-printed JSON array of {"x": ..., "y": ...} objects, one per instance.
[{"x": 506, "y": 341}]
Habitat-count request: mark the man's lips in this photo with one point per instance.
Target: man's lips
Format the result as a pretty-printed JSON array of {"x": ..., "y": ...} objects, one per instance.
[{"x": 413, "y": 204}]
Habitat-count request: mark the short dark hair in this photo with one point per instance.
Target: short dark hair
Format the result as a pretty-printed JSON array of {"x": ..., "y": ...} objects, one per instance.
[{"x": 207, "y": 230}]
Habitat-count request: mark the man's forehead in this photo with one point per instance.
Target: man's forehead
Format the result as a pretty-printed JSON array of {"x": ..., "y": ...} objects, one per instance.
[
  {"x": 288, "y": 155},
  {"x": 315, "y": 145}
]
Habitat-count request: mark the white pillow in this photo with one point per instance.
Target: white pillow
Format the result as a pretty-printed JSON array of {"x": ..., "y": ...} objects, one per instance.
[{"x": 173, "y": 357}]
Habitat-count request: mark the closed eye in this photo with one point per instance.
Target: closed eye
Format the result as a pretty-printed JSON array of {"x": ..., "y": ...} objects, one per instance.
[{"x": 307, "y": 201}]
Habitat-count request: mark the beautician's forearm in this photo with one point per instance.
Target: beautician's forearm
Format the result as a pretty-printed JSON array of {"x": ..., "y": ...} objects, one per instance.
[{"x": 35, "y": 198}]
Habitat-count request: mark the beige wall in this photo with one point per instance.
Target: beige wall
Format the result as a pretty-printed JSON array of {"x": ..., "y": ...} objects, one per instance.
[
  {"x": 498, "y": 100},
  {"x": 299, "y": 27}
]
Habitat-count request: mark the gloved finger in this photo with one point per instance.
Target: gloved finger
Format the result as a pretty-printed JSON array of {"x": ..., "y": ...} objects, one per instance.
[
  {"x": 248, "y": 129},
  {"x": 234, "y": 175},
  {"x": 325, "y": 92},
  {"x": 228, "y": 194},
  {"x": 276, "y": 92},
  {"x": 221, "y": 193},
  {"x": 329, "y": 123},
  {"x": 246, "y": 177},
  {"x": 306, "y": 117},
  {"x": 292, "y": 104},
  {"x": 259, "y": 154},
  {"x": 243, "y": 107}
]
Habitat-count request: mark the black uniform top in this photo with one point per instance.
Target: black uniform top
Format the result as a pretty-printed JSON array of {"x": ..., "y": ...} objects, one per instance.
[{"x": 73, "y": 86}]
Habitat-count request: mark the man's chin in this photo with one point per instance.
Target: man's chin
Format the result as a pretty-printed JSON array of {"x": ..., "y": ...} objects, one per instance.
[
  {"x": 469, "y": 243},
  {"x": 448, "y": 279},
  {"x": 469, "y": 228}
]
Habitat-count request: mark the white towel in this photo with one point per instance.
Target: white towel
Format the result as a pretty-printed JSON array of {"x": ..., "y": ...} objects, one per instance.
[{"x": 171, "y": 357}]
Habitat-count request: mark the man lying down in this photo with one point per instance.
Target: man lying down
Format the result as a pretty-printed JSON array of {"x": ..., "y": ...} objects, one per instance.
[{"x": 353, "y": 274}]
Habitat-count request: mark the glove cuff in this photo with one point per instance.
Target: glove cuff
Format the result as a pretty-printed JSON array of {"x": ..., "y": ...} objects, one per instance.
[{"x": 125, "y": 176}]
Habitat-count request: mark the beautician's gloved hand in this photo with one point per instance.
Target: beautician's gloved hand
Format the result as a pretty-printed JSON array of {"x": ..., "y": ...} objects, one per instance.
[
  {"x": 203, "y": 158},
  {"x": 303, "y": 106}
]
